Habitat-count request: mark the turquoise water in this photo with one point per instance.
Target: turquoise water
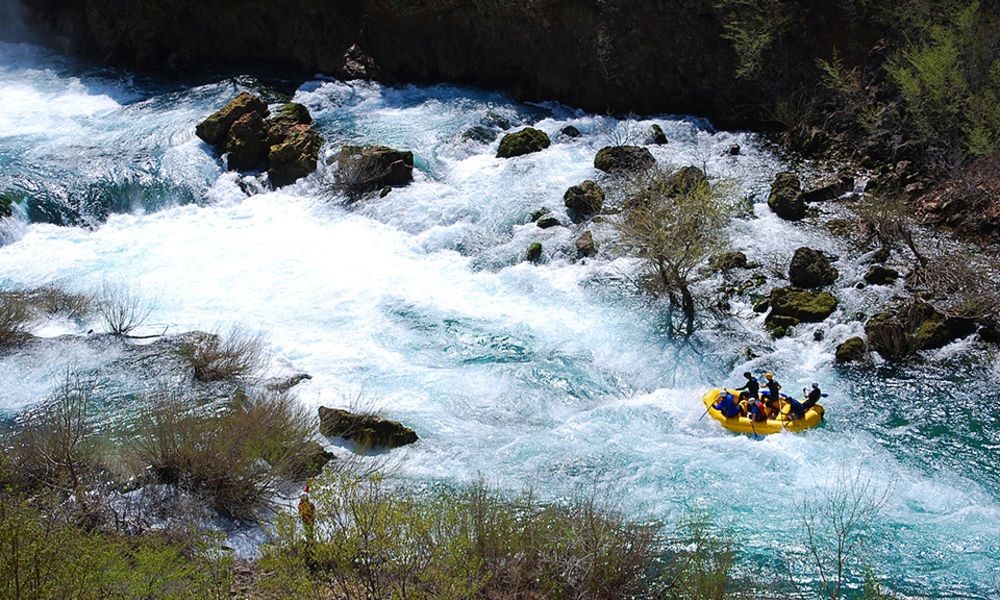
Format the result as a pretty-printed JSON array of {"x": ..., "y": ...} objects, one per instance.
[{"x": 553, "y": 376}]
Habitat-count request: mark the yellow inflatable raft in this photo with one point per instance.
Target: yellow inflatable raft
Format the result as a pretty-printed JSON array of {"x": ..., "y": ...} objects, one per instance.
[{"x": 814, "y": 416}]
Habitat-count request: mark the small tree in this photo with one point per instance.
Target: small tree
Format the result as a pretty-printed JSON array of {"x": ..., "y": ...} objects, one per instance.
[
  {"x": 674, "y": 224},
  {"x": 836, "y": 523},
  {"x": 890, "y": 224}
]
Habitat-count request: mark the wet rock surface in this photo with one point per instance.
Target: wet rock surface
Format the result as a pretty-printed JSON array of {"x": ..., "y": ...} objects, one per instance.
[
  {"x": 367, "y": 431},
  {"x": 622, "y": 159},
  {"x": 519, "y": 143}
]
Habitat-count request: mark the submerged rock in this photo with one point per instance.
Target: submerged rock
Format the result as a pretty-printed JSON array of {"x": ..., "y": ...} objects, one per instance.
[
  {"x": 786, "y": 197},
  {"x": 519, "y": 143},
  {"x": 481, "y": 134},
  {"x": 618, "y": 159},
  {"x": 547, "y": 221},
  {"x": 733, "y": 150},
  {"x": 811, "y": 269},
  {"x": 584, "y": 200},
  {"x": 369, "y": 168},
  {"x": 851, "y": 350},
  {"x": 367, "y": 431}
]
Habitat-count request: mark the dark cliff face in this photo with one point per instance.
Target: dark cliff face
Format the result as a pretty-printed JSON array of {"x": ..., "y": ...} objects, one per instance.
[{"x": 608, "y": 56}]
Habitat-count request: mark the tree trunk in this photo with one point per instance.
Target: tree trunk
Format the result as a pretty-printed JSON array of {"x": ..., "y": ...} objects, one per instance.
[{"x": 688, "y": 307}]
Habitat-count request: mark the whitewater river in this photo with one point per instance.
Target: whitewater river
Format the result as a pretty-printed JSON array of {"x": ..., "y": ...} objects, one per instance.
[{"x": 553, "y": 376}]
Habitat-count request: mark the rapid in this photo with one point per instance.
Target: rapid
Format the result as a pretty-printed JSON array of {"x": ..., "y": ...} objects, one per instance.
[{"x": 555, "y": 376}]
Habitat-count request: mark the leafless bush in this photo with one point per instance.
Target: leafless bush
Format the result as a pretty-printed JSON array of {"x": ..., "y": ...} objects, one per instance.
[
  {"x": 836, "y": 525},
  {"x": 889, "y": 224},
  {"x": 234, "y": 456},
  {"x": 355, "y": 178},
  {"x": 56, "y": 448},
  {"x": 622, "y": 133},
  {"x": 238, "y": 354},
  {"x": 121, "y": 308},
  {"x": 15, "y": 315},
  {"x": 55, "y": 299},
  {"x": 961, "y": 283}
]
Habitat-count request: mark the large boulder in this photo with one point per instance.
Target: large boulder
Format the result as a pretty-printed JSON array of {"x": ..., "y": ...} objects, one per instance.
[
  {"x": 367, "y": 431},
  {"x": 369, "y": 168},
  {"x": 294, "y": 153},
  {"x": 811, "y": 269},
  {"x": 619, "y": 159},
  {"x": 805, "y": 305},
  {"x": 523, "y": 142},
  {"x": 215, "y": 129},
  {"x": 851, "y": 350},
  {"x": 786, "y": 197},
  {"x": 584, "y": 200},
  {"x": 246, "y": 143},
  {"x": 904, "y": 329},
  {"x": 292, "y": 113}
]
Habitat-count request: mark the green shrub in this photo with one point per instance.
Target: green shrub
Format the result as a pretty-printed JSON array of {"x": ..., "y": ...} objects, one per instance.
[
  {"x": 372, "y": 542},
  {"x": 43, "y": 558}
]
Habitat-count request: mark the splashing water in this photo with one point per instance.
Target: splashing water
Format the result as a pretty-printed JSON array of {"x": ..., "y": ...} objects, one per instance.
[{"x": 552, "y": 376}]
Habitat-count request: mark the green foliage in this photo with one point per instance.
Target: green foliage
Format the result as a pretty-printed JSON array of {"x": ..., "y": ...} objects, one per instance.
[
  {"x": 948, "y": 80},
  {"x": 753, "y": 27},
  {"x": 673, "y": 224},
  {"x": 371, "y": 542},
  {"x": 42, "y": 558},
  {"x": 704, "y": 571}
]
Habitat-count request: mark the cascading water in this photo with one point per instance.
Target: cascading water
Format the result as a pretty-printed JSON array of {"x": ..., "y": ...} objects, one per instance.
[{"x": 553, "y": 376}]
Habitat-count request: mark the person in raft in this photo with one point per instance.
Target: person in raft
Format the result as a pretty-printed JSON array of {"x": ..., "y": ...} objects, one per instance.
[
  {"x": 752, "y": 387},
  {"x": 773, "y": 401},
  {"x": 799, "y": 409},
  {"x": 726, "y": 404}
]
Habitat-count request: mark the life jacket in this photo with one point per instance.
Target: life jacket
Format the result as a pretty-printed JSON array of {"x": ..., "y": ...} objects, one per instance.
[
  {"x": 727, "y": 406},
  {"x": 758, "y": 410}
]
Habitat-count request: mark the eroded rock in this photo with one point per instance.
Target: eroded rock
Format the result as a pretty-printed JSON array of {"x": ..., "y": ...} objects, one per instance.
[{"x": 367, "y": 431}]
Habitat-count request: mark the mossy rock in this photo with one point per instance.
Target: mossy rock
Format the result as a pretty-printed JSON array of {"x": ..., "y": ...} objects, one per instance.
[
  {"x": 7, "y": 202},
  {"x": 805, "y": 305},
  {"x": 811, "y": 269},
  {"x": 584, "y": 200},
  {"x": 548, "y": 221},
  {"x": 881, "y": 275},
  {"x": 728, "y": 261},
  {"x": 370, "y": 168},
  {"x": 292, "y": 112},
  {"x": 906, "y": 328},
  {"x": 534, "y": 253},
  {"x": 519, "y": 143},
  {"x": 851, "y": 350},
  {"x": 295, "y": 156},
  {"x": 367, "y": 431},
  {"x": 315, "y": 457},
  {"x": 786, "y": 197},
  {"x": 246, "y": 143},
  {"x": 215, "y": 129},
  {"x": 620, "y": 159},
  {"x": 686, "y": 180}
]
